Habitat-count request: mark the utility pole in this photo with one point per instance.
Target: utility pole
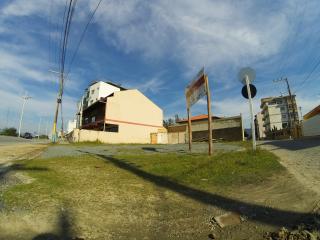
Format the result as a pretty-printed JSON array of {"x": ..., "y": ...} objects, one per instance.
[
  {"x": 39, "y": 127},
  {"x": 7, "y": 119},
  {"x": 59, "y": 99},
  {"x": 292, "y": 104},
  {"x": 25, "y": 98},
  {"x": 47, "y": 128}
]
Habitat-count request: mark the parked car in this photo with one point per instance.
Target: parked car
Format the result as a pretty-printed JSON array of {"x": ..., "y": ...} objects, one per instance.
[{"x": 27, "y": 135}]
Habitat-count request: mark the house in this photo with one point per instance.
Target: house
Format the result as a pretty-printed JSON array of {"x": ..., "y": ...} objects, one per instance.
[
  {"x": 224, "y": 128},
  {"x": 258, "y": 122},
  {"x": 112, "y": 114},
  {"x": 311, "y": 123},
  {"x": 279, "y": 113}
]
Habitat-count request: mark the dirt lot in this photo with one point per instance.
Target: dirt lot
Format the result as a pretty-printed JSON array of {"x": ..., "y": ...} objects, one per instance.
[{"x": 148, "y": 192}]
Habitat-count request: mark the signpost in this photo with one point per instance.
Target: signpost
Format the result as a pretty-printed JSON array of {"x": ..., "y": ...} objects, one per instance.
[
  {"x": 197, "y": 89},
  {"x": 246, "y": 76}
]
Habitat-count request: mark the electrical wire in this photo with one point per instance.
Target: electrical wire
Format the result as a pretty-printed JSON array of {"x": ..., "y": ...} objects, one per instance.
[{"x": 81, "y": 38}]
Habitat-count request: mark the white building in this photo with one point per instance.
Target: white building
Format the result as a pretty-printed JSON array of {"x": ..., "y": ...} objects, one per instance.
[
  {"x": 279, "y": 113},
  {"x": 72, "y": 124},
  {"x": 96, "y": 91},
  {"x": 311, "y": 123},
  {"x": 260, "y": 129}
]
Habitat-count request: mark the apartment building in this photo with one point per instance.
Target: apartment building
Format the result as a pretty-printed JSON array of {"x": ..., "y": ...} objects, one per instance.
[
  {"x": 95, "y": 92},
  {"x": 260, "y": 129},
  {"x": 279, "y": 113}
]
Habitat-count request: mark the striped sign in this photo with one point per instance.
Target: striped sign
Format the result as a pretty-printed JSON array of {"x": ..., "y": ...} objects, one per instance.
[{"x": 197, "y": 89}]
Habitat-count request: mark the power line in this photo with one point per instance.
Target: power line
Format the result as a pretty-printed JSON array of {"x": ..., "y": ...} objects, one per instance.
[
  {"x": 309, "y": 75},
  {"x": 295, "y": 37},
  {"x": 68, "y": 15},
  {"x": 82, "y": 37}
]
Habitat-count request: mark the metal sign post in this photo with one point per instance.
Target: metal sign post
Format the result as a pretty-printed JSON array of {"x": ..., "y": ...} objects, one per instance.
[
  {"x": 246, "y": 76},
  {"x": 253, "y": 130}
]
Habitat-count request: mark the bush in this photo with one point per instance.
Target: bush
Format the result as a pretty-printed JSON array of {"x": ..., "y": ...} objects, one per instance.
[{"x": 9, "y": 132}]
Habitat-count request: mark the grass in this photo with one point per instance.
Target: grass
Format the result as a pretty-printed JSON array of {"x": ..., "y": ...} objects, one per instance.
[
  {"x": 67, "y": 175},
  {"x": 224, "y": 169},
  {"x": 105, "y": 199}
]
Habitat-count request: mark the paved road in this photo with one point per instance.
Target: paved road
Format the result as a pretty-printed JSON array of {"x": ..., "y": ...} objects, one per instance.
[
  {"x": 301, "y": 158},
  {"x": 13, "y": 148}
]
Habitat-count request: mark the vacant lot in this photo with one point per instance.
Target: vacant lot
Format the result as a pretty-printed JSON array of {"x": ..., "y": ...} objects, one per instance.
[{"x": 148, "y": 192}]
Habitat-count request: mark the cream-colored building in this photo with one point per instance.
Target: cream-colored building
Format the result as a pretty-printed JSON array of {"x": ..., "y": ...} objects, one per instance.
[
  {"x": 311, "y": 123},
  {"x": 125, "y": 116}
]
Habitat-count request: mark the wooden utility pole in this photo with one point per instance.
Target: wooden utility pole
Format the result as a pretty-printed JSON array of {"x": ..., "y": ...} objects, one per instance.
[
  {"x": 209, "y": 115},
  {"x": 189, "y": 126},
  {"x": 294, "y": 126}
]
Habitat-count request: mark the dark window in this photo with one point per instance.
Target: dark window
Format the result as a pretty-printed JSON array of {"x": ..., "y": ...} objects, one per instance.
[{"x": 112, "y": 128}]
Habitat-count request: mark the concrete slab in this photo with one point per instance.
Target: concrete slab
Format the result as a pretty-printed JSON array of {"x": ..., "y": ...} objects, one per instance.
[{"x": 228, "y": 219}]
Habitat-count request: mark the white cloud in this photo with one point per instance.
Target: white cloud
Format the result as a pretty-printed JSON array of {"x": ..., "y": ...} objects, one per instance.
[{"x": 193, "y": 32}]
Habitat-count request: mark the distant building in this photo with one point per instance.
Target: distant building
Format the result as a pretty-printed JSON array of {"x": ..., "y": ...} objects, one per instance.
[
  {"x": 311, "y": 123},
  {"x": 72, "y": 124},
  {"x": 279, "y": 113},
  {"x": 223, "y": 128},
  {"x": 112, "y": 114},
  {"x": 260, "y": 130}
]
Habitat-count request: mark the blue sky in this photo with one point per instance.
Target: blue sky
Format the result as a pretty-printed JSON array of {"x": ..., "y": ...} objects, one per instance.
[{"x": 157, "y": 46}]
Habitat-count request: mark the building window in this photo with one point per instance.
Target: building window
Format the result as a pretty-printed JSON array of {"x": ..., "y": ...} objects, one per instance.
[
  {"x": 284, "y": 115},
  {"x": 93, "y": 119},
  {"x": 92, "y": 91},
  {"x": 284, "y": 125},
  {"x": 91, "y": 101},
  {"x": 283, "y": 108},
  {"x": 112, "y": 128}
]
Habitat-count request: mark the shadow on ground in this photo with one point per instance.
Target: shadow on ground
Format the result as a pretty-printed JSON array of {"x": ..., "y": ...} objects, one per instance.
[
  {"x": 6, "y": 169},
  {"x": 294, "y": 145},
  {"x": 254, "y": 212},
  {"x": 64, "y": 231}
]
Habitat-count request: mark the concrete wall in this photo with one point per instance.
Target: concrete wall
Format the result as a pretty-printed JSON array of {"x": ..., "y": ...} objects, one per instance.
[
  {"x": 216, "y": 124},
  {"x": 177, "y": 137},
  {"x": 311, "y": 127},
  {"x": 229, "y": 129},
  {"x": 139, "y": 135},
  {"x": 228, "y": 134}
]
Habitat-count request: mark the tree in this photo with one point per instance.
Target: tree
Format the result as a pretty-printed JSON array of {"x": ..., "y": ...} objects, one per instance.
[
  {"x": 9, "y": 132},
  {"x": 168, "y": 122},
  {"x": 176, "y": 118}
]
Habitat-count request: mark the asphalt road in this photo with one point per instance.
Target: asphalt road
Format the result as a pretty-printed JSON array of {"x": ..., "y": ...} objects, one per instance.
[
  {"x": 6, "y": 140},
  {"x": 301, "y": 158}
]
